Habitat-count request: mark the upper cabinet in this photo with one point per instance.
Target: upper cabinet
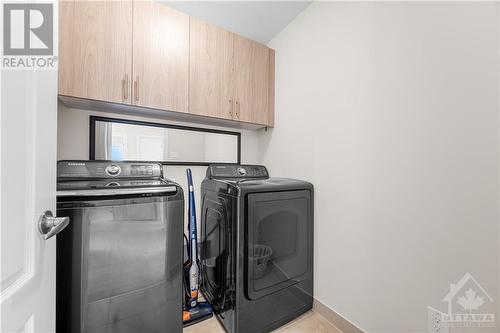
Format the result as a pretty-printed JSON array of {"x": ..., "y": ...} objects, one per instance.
[
  {"x": 95, "y": 55},
  {"x": 230, "y": 76},
  {"x": 161, "y": 57},
  {"x": 211, "y": 70},
  {"x": 145, "y": 54},
  {"x": 251, "y": 80}
]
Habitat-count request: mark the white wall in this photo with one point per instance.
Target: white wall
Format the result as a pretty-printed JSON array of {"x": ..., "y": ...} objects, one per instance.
[
  {"x": 73, "y": 143},
  {"x": 391, "y": 110}
]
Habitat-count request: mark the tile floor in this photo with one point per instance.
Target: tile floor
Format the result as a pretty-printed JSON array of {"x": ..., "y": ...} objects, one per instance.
[{"x": 308, "y": 322}]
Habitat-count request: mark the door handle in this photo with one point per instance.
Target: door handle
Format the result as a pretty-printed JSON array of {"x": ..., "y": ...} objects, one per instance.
[
  {"x": 231, "y": 107},
  {"x": 238, "y": 108},
  {"x": 136, "y": 88},
  {"x": 125, "y": 87},
  {"x": 48, "y": 225}
]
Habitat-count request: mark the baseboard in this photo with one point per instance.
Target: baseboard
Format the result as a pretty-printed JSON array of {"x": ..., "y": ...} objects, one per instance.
[{"x": 335, "y": 319}]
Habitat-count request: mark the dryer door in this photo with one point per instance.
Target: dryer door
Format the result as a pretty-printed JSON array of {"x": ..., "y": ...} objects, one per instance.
[
  {"x": 279, "y": 241},
  {"x": 216, "y": 243}
]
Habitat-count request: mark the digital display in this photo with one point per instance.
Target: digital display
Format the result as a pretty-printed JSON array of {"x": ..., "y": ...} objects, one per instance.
[
  {"x": 141, "y": 167},
  {"x": 140, "y": 170}
]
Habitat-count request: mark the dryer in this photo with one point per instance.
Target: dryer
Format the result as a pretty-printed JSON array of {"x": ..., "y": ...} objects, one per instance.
[{"x": 256, "y": 247}]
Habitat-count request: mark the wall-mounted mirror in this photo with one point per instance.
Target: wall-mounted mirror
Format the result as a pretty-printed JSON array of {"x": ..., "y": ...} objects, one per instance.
[{"x": 119, "y": 139}]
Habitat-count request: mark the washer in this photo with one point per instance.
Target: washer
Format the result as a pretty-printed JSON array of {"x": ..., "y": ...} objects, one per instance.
[
  {"x": 119, "y": 261},
  {"x": 256, "y": 247}
]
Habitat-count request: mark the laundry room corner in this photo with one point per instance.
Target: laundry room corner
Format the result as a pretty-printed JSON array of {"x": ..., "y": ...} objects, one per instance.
[{"x": 255, "y": 166}]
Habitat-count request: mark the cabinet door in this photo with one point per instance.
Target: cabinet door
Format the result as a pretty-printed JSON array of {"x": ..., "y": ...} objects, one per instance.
[
  {"x": 211, "y": 70},
  {"x": 161, "y": 57},
  {"x": 95, "y": 50},
  {"x": 251, "y": 80}
]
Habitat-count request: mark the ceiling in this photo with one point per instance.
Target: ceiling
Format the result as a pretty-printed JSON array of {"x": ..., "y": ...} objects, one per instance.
[{"x": 257, "y": 20}]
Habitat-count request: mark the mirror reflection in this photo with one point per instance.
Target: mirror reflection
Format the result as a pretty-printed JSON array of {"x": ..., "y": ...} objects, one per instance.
[{"x": 129, "y": 141}]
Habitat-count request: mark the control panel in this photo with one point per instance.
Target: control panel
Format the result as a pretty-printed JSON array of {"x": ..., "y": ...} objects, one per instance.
[
  {"x": 237, "y": 171},
  {"x": 107, "y": 169}
]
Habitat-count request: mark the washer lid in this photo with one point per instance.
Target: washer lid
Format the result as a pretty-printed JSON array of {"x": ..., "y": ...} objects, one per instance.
[
  {"x": 113, "y": 187},
  {"x": 241, "y": 187},
  {"x": 272, "y": 184}
]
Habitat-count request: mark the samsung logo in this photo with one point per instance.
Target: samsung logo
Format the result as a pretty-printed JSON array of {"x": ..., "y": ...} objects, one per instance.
[{"x": 76, "y": 164}]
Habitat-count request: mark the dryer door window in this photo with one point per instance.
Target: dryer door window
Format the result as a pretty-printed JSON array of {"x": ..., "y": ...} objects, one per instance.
[{"x": 278, "y": 251}]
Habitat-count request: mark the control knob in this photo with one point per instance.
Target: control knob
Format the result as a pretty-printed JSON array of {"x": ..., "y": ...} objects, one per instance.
[
  {"x": 241, "y": 171},
  {"x": 113, "y": 170}
]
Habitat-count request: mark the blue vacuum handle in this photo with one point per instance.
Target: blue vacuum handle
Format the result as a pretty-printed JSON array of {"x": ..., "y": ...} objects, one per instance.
[
  {"x": 194, "y": 270},
  {"x": 189, "y": 178},
  {"x": 192, "y": 215}
]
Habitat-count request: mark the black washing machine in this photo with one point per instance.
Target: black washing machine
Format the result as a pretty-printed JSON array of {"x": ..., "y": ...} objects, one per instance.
[
  {"x": 119, "y": 261},
  {"x": 256, "y": 247}
]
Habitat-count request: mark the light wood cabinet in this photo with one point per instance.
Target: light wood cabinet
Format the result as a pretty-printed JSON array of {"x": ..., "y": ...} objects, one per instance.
[
  {"x": 95, "y": 55},
  {"x": 161, "y": 57},
  {"x": 143, "y": 54},
  {"x": 251, "y": 80},
  {"x": 211, "y": 70},
  {"x": 230, "y": 76}
]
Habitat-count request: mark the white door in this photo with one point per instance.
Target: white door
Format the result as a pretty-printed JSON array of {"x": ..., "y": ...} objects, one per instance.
[{"x": 28, "y": 128}]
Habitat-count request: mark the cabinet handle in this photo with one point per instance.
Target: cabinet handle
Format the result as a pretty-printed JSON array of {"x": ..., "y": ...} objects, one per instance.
[
  {"x": 125, "y": 87},
  {"x": 231, "y": 108},
  {"x": 136, "y": 88},
  {"x": 237, "y": 108}
]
